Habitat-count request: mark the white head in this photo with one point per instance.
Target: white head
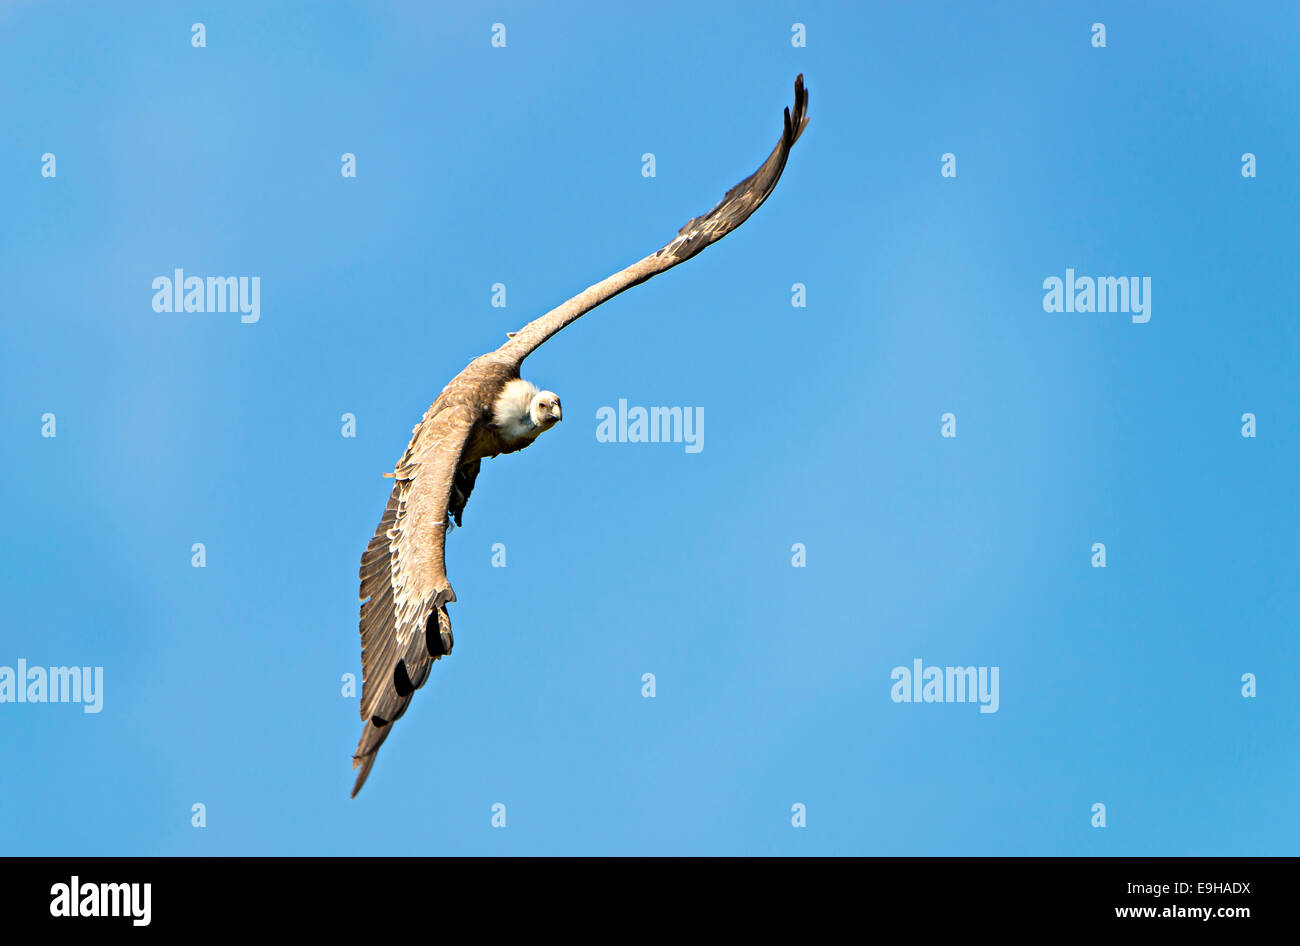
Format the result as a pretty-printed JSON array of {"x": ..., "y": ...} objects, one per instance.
[
  {"x": 545, "y": 409},
  {"x": 522, "y": 413}
]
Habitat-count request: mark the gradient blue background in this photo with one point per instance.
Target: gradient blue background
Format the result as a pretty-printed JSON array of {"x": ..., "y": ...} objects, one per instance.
[{"x": 522, "y": 165}]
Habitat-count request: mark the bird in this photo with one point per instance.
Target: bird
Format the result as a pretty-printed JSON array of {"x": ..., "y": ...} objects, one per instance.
[{"x": 486, "y": 411}]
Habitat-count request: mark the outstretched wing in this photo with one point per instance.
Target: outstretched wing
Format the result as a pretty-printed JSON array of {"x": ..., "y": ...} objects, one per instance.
[
  {"x": 733, "y": 210},
  {"x": 404, "y": 586}
]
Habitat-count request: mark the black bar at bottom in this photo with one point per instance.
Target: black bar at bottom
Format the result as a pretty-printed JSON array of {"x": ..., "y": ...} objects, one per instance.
[{"x": 396, "y": 896}]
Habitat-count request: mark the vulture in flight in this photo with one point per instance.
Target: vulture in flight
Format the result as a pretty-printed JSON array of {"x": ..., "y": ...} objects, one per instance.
[{"x": 484, "y": 411}]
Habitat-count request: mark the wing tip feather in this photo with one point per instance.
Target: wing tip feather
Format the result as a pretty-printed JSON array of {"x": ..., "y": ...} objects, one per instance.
[
  {"x": 365, "y": 764},
  {"x": 800, "y": 120}
]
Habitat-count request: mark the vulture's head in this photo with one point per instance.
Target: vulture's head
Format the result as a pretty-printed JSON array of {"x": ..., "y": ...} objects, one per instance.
[{"x": 545, "y": 409}]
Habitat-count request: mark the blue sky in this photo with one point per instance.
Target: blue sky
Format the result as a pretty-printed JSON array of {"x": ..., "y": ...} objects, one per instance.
[{"x": 522, "y": 165}]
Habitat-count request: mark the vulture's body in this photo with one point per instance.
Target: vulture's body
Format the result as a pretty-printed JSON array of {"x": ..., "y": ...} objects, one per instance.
[{"x": 485, "y": 411}]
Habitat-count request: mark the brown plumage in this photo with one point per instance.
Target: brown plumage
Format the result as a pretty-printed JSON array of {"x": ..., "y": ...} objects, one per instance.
[{"x": 479, "y": 414}]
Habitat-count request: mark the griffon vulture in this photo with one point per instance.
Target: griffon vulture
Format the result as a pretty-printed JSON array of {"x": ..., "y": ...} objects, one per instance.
[{"x": 484, "y": 411}]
